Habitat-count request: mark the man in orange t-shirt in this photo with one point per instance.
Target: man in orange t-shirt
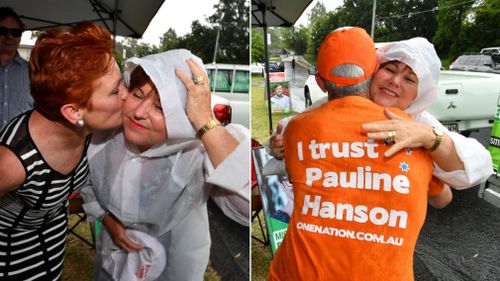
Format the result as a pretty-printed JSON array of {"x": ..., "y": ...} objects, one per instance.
[{"x": 357, "y": 214}]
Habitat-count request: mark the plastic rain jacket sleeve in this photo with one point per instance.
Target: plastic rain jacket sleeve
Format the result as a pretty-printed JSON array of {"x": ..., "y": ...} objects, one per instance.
[{"x": 477, "y": 160}]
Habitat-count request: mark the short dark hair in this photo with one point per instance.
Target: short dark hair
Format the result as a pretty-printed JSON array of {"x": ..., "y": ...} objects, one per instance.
[
  {"x": 7, "y": 12},
  {"x": 139, "y": 78}
]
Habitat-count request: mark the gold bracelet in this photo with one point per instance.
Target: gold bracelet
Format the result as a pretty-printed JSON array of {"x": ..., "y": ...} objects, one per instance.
[
  {"x": 439, "y": 138},
  {"x": 210, "y": 125}
]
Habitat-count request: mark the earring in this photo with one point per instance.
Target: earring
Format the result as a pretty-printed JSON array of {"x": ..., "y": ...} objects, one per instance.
[{"x": 80, "y": 123}]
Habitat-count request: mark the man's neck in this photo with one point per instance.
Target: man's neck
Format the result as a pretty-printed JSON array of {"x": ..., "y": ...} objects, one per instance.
[
  {"x": 333, "y": 96},
  {"x": 7, "y": 58}
]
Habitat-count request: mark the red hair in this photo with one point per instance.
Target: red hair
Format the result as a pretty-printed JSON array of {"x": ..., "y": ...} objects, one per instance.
[{"x": 65, "y": 64}]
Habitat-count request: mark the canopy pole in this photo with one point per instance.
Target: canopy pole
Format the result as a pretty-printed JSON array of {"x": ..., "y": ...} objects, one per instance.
[{"x": 115, "y": 21}]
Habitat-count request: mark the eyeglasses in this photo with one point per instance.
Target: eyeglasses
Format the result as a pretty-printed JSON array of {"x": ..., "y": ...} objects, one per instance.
[{"x": 16, "y": 32}]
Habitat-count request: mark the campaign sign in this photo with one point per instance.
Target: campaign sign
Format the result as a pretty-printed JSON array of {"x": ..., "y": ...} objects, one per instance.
[
  {"x": 277, "y": 77},
  {"x": 274, "y": 199},
  {"x": 280, "y": 97},
  {"x": 494, "y": 146}
]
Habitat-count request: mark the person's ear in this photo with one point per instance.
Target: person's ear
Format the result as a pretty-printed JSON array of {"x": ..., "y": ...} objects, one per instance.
[
  {"x": 72, "y": 113},
  {"x": 376, "y": 69},
  {"x": 320, "y": 83}
]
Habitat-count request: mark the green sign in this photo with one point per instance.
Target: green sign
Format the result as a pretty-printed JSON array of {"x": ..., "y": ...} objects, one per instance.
[
  {"x": 224, "y": 80},
  {"x": 494, "y": 146}
]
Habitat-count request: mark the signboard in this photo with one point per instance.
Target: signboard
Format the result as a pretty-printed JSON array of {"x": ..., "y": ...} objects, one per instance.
[
  {"x": 494, "y": 146},
  {"x": 280, "y": 97},
  {"x": 277, "y": 77},
  {"x": 273, "y": 192}
]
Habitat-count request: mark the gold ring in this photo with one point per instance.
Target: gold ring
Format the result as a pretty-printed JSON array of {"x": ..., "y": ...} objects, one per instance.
[
  {"x": 198, "y": 80},
  {"x": 391, "y": 135}
]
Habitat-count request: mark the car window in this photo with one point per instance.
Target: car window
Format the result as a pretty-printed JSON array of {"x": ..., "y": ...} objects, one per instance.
[
  {"x": 221, "y": 83},
  {"x": 241, "y": 82},
  {"x": 461, "y": 60},
  {"x": 472, "y": 60},
  {"x": 484, "y": 60}
]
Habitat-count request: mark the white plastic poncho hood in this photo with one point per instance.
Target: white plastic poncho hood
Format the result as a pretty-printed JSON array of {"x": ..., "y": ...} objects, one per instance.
[
  {"x": 127, "y": 182},
  {"x": 420, "y": 55},
  {"x": 173, "y": 95}
]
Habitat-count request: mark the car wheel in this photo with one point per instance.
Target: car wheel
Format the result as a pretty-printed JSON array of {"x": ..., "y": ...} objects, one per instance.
[{"x": 307, "y": 97}]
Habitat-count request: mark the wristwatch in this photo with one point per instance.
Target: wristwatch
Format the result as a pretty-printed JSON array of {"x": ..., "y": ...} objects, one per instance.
[
  {"x": 106, "y": 212},
  {"x": 439, "y": 137}
]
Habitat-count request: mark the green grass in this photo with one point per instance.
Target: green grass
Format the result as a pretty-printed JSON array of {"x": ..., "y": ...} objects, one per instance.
[
  {"x": 260, "y": 119},
  {"x": 79, "y": 257},
  {"x": 261, "y": 255},
  {"x": 446, "y": 63}
]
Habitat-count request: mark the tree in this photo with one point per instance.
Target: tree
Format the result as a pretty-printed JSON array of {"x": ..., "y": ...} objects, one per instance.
[
  {"x": 483, "y": 30},
  {"x": 403, "y": 19},
  {"x": 144, "y": 49},
  {"x": 450, "y": 18},
  {"x": 232, "y": 19},
  {"x": 169, "y": 40},
  {"x": 297, "y": 41},
  {"x": 258, "y": 54},
  {"x": 322, "y": 27},
  {"x": 316, "y": 12},
  {"x": 233, "y": 47},
  {"x": 200, "y": 41}
]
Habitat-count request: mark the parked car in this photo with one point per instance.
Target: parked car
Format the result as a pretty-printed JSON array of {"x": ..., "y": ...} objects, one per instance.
[
  {"x": 257, "y": 68},
  {"x": 467, "y": 101},
  {"x": 274, "y": 67},
  {"x": 232, "y": 82},
  {"x": 490, "y": 51},
  {"x": 475, "y": 62}
]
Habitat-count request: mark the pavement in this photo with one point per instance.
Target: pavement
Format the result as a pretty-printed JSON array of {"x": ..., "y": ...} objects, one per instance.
[
  {"x": 230, "y": 251},
  {"x": 458, "y": 243}
]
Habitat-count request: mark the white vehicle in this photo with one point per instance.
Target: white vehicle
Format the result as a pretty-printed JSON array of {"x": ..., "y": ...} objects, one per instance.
[
  {"x": 490, "y": 51},
  {"x": 467, "y": 101},
  {"x": 257, "y": 68},
  {"x": 232, "y": 82}
]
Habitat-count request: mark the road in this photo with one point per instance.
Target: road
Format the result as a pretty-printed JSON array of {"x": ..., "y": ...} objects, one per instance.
[
  {"x": 296, "y": 86},
  {"x": 459, "y": 242}
]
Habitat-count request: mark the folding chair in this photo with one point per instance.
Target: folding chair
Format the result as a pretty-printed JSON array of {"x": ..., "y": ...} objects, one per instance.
[
  {"x": 257, "y": 202},
  {"x": 75, "y": 208}
]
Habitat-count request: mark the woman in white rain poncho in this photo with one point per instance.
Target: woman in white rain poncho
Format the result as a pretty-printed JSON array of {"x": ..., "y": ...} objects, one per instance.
[
  {"x": 420, "y": 55},
  {"x": 153, "y": 176}
]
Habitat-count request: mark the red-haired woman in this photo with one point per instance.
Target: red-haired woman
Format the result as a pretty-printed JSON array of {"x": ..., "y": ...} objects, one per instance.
[{"x": 77, "y": 87}]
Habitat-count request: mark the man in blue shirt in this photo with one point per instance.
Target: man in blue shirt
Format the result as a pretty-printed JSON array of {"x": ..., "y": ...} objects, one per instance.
[{"x": 15, "y": 94}]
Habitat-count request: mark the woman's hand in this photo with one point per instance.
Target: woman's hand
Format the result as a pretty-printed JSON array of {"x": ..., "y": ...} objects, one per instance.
[
  {"x": 198, "y": 97},
  {"x": 408, "y": 133},
  {"x": 117, "y": 233}
]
